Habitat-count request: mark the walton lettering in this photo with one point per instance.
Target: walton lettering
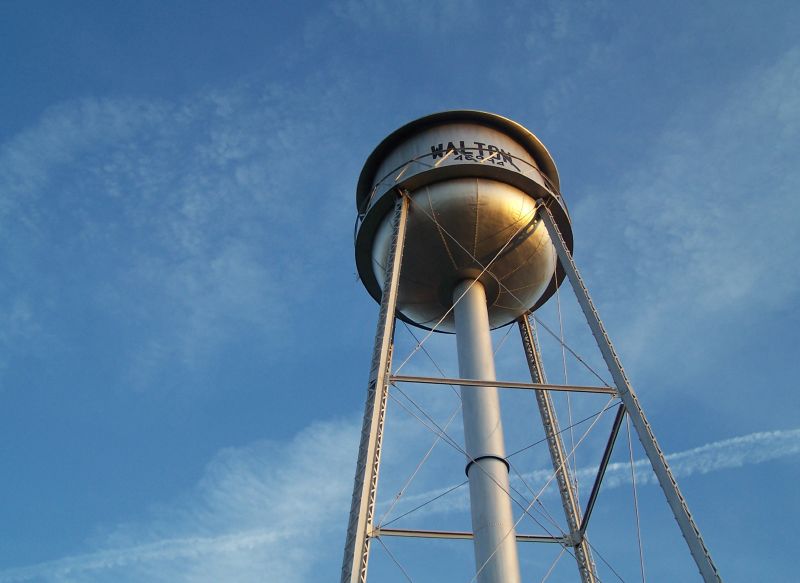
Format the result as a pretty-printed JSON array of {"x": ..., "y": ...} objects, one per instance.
[{"x": 475, "y": 152}]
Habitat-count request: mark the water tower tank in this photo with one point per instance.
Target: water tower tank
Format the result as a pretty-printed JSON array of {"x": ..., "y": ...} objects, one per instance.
[{"x": 474, "y": 179}]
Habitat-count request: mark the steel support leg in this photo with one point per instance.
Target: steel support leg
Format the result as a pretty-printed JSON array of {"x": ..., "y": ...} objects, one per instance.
[
  {"x": 362, "y": 509},
  {"x": 547, "y": 412},
  {"x": 675, "y": 499}
]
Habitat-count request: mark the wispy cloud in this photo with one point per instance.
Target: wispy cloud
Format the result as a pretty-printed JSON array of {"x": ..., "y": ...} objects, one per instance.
[
  {"x": 189, "y": 548},
  {"x": 704, "y": 228},
  {"x": 180, "y": 222},
  {"x": 270, "y": 511},
  {"x": 276, "y": 511}
]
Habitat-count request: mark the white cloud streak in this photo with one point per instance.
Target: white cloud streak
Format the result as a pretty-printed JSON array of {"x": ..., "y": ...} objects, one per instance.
[
  {"x": 266, "y": 512},
  {"x": 186, "y": 223},
  {"x": 167, "y": 549},
  {"x": 286, "y": 504},
  {"x": 706, "y": 226}
]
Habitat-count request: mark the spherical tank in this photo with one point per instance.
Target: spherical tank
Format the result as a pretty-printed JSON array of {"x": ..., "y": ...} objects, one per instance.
[{"x": 473, "y": 179}]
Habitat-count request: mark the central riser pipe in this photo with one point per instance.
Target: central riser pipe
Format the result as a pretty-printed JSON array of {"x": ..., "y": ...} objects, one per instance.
[{"x": 490, "y": 503}]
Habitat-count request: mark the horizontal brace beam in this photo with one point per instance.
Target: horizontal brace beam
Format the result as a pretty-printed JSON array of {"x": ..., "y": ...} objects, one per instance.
[
  {"x": 501, "y": 384},
  {"x": 462, "y": 535}
]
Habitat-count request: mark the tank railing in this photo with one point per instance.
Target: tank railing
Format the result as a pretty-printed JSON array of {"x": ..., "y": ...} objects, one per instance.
[{"x": 395, "y": 175}]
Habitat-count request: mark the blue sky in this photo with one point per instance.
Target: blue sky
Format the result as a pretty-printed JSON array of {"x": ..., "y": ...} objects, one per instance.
[{"x": 184, "y": 345}]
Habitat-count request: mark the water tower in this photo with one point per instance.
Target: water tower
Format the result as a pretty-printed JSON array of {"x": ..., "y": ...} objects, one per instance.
[{"x": 462, "y": 229}]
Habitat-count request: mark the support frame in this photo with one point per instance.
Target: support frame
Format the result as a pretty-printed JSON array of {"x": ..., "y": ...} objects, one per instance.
[
  {"x": 360, "y": 526},
  {"x": 676, "y": 501}
]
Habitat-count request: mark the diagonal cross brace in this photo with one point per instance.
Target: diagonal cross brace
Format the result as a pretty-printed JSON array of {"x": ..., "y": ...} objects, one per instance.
[{"x": 601, "y": 470}]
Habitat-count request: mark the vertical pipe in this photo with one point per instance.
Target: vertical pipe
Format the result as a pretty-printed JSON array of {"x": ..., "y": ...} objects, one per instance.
[{"x": 492, "y": 519}]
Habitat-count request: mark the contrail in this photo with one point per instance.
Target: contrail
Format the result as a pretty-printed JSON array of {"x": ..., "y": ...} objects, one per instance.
[
  {"x": 736, "y": 452},
  {"x": 754, "y": 448}
]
